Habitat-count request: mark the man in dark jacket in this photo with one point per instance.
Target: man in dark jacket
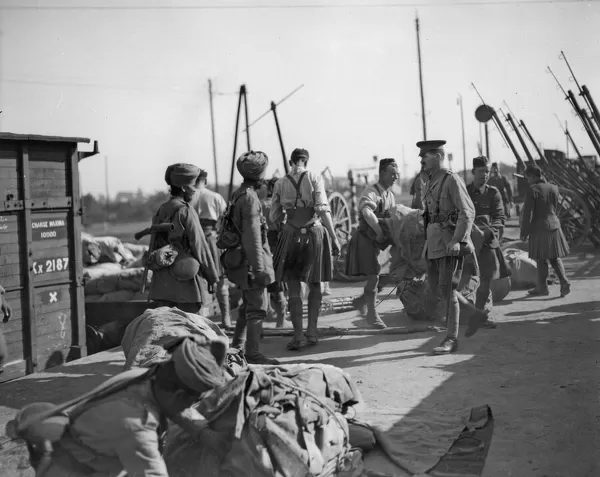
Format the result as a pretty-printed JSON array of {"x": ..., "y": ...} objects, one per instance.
[
  {"x": 6, "y": 312},
  {"x": 250, "y": 265},
  {"x": 501, "y": 183},
  {"x": 490, "y": 219}
]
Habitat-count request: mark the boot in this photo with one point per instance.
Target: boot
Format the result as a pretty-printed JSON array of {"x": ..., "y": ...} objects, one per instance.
[
  {"x": 314, "y": 309},
  {"x": 449, "y": 345},
  {"x": 360, "y": 304},
  {"x": 373, "y": 318},
  {"x": 253, "y": 354},
  {"x": 279, "y": 306},
  {"x": 298, "y": 340},
  {"x": 477, "y": 318},
  {"x": 240, "y": 332},
  {"x": 542, "y": 280},
  {"x": 223, "y": 299},
  {"x": 565, "y": 289}
]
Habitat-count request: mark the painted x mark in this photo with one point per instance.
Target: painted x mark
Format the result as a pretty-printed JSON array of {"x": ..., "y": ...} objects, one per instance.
[{"x": 53, "y": 297}]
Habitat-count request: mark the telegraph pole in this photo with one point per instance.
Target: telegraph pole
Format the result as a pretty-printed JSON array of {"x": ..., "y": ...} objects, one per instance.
[
  {"x": 212, "y": 124},
  {"x": 421, "y": 78},
  {"x": 107, "y": 214},
  {"x": 462, "y": 123}
]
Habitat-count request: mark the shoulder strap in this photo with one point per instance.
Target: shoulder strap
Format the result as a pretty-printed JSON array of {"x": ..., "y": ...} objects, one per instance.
[
  {"x": 110, "y": 386},
  {"x": 297, "y": 186}
]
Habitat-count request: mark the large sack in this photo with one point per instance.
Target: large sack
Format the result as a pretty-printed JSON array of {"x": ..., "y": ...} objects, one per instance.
[
  {"x": 113, "y": 250},
  {"x": 91, "y": 249},
  {"x": 102, "y": 285},
  {"x": 136, "y": 249},
  {"x": 131, "y": 279},
  {"x": 101, "y": 270},
  {"x": 146, "y": 335},
  {"x": 500, "y": 288},
  {"x": 523, "y": 268},
  {"x": 272, "y": 421}
]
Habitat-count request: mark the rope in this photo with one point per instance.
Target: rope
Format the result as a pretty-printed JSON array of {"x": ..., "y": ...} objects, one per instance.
[{"x": 388, "y": 295}]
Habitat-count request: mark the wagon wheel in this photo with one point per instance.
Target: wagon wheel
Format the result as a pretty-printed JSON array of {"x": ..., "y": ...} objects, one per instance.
[
  {"x": 340, "y": 213},
  {"x": 575, "y": 217}
]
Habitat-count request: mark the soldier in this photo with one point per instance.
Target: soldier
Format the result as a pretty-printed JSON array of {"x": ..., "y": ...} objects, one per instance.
[
  {"x": 210, "y": 207},
  {"x": 369, "y": 239},
  {"x": 490, "y": 218},
  {"x": 121, "y": 428},
  {"x": 250, "y": 266},
  {"x": 449, "y": 215},
  {"x": 188, "y": 282},
  {"x": 6, "y": 313},
  {"x": 306, "y": 242},
  {"x": 501, "y": 183},
  {"x": 275, "y": 289},
  {"x": 541, "y": 225}
]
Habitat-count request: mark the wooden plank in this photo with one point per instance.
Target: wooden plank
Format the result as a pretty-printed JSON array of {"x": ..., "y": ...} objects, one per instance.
[
  {"x": 7, "y": 248},
  {"x": 30, "y": 352},
  {"x": 7, "y": 239},
  {"x": 14, "y": 336},
  {"x": 49, "y": 226},
  {"x": 43, "y": 187},
  {"x": 13, "y": 370},
  {"x": 35, "y": 137},
  {"x": 11, "y": 281},
  {"x": 10, "y": 258},
  {"x": 61, "y": 202},
  {"x": 9, "y": 224},
  {"x": 49, "y": 170},
  {"x": 10, "y": 270},
  {"x": 47, "y": 154},
  {"x": 50, "y": 244},
  {"x": 79, "y": 346}
]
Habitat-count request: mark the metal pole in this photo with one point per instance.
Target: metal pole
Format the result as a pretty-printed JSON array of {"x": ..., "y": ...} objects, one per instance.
[
  {"x": 487, "y": 141},
  {"x": 567, "y": 137},
  {"x": 519, "y": 137},
  {"x": 528, "y": 134},
  {"x": 421, "y": 79},
  {"x": 593, "y": 109},
  {"x": 504, "y": 134},
  {"x": 286, "y": 166},
  {"x": 235, "y": 140},
  {"x": 585, "y": 120},
  {"x": 214, "y": 143},
  {"x": 107, "y": 205},
  {"x": 245, "y": 92},
  {"x": 462, "y": 123}
]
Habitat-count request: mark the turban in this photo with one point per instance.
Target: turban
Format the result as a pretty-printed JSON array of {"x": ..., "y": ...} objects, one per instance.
[
  {"x": 430, "y": 146},
  {"x": 252, "y": 165},
  {"x": 298, "y": 154},
  {"x": 387, "y": 162},
  {"x": 181, "y": 175},
  {"x": 199, "y": 363},
  {"x": 480, "y": 161}
]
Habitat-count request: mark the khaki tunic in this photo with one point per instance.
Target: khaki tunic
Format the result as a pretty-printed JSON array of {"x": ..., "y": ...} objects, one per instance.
[
  {"x": 119, "y": 432},
  {"x": 453, "y": 197}
]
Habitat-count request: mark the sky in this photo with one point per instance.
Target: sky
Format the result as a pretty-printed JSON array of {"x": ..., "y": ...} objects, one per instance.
[{"x": 133, "y": 75}]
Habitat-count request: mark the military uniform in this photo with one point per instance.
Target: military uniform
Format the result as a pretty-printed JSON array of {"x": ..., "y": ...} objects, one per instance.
[
  {"x": 364, "y": 248},
  {"x": 120, "y": 427},
  {"x": 490, "y": 219},
  {"x": 541, "y": 225},
  {"x": 501, "y": 183},
  {"x": 253, "y": 270},
  {"x": 449, "y": 216},
  {"x": 416, "y": 190},
  {"x": 304, "y": 247},
  {"x": 211, "y": 206},
  {"x": 168, "y": 290}
]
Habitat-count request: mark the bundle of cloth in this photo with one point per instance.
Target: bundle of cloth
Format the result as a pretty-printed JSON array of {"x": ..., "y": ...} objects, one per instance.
[
  {"x": 272, "y": 421},
  {"x": 112, "y": 282},
  {"x": 408, "y": 267},
  {"x": 109, "y": 249},
  {"x": 147, "y": 337}
]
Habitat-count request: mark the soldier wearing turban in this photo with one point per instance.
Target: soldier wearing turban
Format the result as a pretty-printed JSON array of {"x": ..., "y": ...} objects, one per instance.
[
  {"x": 210, "y": 206},
  {"x": 369, "y": 239},
  {"x": 250, "y": 264},
  {"x": 188, "y": 282},
  {"x": 307, "y": 240},
  {"x": 121, "y": 426}
]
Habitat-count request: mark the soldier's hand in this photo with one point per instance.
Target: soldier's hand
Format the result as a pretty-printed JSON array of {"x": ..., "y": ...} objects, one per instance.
[
  {"x": 336, "y": 248},
  {"x": 453, "y": 248},
  {"x": 5, "y": 308}
]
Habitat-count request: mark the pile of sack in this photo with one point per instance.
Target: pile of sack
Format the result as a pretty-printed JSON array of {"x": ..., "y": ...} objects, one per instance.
[{"x": 113, "y": 271}]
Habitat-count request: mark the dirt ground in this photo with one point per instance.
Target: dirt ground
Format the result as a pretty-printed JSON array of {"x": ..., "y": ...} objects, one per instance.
[{"x": 538, "y": 371}]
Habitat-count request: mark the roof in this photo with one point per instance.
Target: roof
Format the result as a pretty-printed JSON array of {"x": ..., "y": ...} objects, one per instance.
[{"x": 35, "y": 137}]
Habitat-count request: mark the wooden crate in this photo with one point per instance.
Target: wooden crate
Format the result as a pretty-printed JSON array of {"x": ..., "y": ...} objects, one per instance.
[{"x": 41, "y": 264}]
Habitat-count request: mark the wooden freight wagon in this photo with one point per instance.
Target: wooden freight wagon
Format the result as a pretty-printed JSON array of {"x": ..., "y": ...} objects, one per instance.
[{"x": 41, "y": 264}]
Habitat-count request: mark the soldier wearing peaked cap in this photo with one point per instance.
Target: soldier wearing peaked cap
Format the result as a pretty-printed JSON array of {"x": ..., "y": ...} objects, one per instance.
[
  {"x": 250, "y": 264},
  {"x": 371, "y": 238},
  {"x": 188, "y": 282},
  {"x": 489, "y": 222},
  {"x": 448, "y": 215},
  {"x": 306, "y": 243}
]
